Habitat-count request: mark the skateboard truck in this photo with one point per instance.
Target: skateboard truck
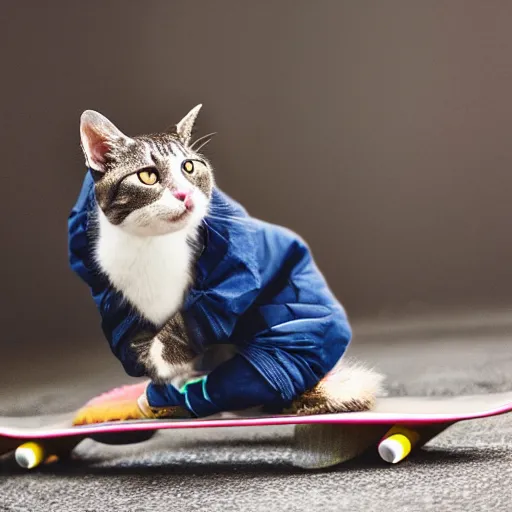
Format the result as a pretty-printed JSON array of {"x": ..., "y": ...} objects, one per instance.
[
  {"x": 400, "y": 440},
  {"x": 32, "y": 454}
]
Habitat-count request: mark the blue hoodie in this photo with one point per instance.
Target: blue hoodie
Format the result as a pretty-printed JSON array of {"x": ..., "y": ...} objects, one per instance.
[{"x": 257, "y": 287}]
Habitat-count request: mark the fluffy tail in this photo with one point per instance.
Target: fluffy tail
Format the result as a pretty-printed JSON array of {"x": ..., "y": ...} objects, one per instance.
[{"x": 349, "y": 387}]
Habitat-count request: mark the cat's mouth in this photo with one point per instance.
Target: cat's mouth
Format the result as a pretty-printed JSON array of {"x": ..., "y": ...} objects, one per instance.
[{"x": 179, "y": 216}]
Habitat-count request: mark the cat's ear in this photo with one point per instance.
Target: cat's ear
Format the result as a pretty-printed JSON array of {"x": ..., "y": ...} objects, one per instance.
[
  {"x": 98, "y": 135},
  {"x": 184, "y": 128}
]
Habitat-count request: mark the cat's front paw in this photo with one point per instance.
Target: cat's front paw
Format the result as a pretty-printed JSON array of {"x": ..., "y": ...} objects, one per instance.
[
  {"x": 177, "y": 374},
  {"x": 186, "y": 376},
  {"x": 170, "y": 364}
]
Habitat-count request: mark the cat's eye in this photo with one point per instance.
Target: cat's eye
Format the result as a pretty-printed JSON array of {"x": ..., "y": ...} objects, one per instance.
[
  {"x": 148, "y": 176},
  {"x": 188, "y": 166}
]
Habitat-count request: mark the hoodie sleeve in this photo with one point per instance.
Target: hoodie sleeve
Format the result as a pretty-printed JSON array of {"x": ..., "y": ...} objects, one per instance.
[
  {"x": 298, "y": 329},
  {"x": 118, "y": 322},
  {"x": 288, "y": 340}
]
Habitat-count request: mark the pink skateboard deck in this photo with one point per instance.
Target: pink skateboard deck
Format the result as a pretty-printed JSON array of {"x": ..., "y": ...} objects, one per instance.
[{"x": 395, "y": 426}]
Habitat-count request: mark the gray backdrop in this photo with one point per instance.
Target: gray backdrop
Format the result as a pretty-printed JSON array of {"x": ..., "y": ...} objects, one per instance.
[{"x": 380, "y": 131}]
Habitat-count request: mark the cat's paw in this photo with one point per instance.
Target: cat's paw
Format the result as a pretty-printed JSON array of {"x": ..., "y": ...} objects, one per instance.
[
  {"x": 164, "y": 366},
  {"x": 186, "y": 377}
]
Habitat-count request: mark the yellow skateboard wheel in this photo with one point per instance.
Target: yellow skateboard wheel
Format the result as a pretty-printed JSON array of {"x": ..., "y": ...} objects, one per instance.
[
  {"x": 29, "y": 455},
  {"x": 397, "y": 444},
  {"x": 395, "y": 448}
]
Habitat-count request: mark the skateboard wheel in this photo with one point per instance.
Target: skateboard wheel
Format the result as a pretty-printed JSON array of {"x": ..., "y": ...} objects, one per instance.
[
  {"x": 395, "y": 448},
  {"x": 29, "y": 455}
]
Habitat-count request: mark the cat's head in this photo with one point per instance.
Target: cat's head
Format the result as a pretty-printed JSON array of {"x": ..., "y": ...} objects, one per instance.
[{"x": 148, "y": 185}]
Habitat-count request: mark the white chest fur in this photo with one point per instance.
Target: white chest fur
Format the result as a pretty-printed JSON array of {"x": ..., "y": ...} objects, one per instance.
[{"x": 152, "y": 273}]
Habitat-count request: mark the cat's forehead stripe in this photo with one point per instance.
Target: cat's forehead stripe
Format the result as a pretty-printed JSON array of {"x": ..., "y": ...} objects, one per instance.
[
  {"x": 156, "y": 146},
  {"x": 178, "y": 150}
]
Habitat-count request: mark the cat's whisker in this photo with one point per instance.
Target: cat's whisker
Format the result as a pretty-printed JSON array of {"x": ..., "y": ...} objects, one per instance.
[
  {"x": 202, "y": 145},
  {"x": 208, "y": 137}
]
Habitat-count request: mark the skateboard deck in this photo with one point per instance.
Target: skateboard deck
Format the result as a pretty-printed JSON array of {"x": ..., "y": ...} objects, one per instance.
[{"x": 394, "y": 427}]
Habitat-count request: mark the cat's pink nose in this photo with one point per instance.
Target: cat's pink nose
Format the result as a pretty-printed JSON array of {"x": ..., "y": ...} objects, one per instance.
[
  {"x": 180, "y": 195},
  {"x": 185, "y": 196}
]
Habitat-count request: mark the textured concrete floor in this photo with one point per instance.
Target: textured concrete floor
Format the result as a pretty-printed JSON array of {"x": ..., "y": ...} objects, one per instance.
[{"x": 469, "y": 467}]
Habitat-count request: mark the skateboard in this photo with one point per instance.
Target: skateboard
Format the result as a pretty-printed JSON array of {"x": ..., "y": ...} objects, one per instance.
[{"x": 395, "y": 427}]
